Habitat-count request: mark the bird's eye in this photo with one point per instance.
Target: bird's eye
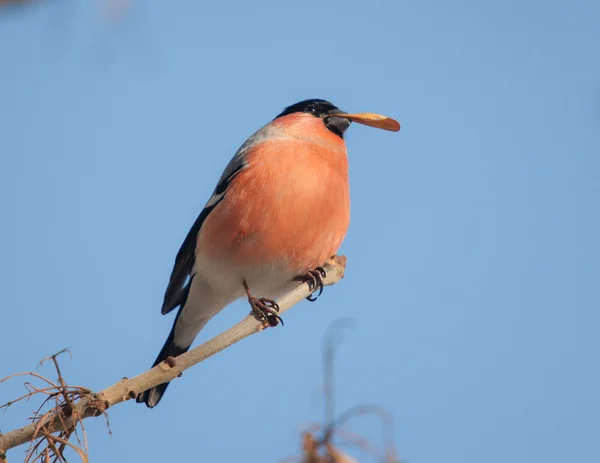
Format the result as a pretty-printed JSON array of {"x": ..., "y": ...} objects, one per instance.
[{"x": 311, "y": 109}]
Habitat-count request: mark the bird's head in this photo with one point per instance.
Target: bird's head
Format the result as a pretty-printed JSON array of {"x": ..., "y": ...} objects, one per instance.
[{"x": 336, "y": 120}]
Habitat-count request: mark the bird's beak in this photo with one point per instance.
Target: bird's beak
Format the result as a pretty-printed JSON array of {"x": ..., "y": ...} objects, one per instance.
[{"x": 374, "y": 120}]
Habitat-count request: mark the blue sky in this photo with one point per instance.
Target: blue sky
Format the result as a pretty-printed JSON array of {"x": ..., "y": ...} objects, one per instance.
[{"x": 473, "y": 249}]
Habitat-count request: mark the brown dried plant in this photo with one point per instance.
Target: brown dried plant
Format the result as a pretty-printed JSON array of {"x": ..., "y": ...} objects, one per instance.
[
  {"x": 59, "y": 400},
  {"x": 322, "y": 443}
]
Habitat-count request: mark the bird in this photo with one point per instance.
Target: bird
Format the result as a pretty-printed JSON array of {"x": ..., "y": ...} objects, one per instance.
[{"x": 280, "y": 210}]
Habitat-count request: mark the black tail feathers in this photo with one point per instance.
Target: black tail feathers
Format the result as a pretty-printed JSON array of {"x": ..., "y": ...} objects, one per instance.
[{"x": 152, "y": 396}]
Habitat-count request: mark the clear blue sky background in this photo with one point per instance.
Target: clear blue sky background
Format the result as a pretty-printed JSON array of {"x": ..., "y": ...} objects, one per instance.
[{"x": 473, "y": 250}]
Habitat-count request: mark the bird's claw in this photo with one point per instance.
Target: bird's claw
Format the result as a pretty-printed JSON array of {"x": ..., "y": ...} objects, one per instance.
[
  {"x": 314, "y": 278},
  {"x": 266, "y": 309}
]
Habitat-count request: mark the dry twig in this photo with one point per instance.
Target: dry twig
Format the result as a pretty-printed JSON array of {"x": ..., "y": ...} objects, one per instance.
[
  {"x": 82, "y": 403},
  {"x": 59, "y": 400},
  {"x": 317, "y": 439}
]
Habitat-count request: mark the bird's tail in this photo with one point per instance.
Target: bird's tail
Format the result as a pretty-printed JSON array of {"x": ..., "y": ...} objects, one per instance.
[
  {"x": 151, "y": 397},
  {"x": 196, "y": 309}
]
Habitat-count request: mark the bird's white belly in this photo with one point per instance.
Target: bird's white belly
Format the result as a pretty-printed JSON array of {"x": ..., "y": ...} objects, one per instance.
[{"x": 226, "y": 278}]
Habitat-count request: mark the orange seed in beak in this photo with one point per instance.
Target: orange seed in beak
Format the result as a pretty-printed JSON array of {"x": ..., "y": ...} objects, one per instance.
[{"x": 374, "y": 120}]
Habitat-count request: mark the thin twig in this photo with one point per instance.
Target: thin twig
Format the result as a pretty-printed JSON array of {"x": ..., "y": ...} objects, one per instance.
[
  {"x": 387, "y": 422},
  {"x": 331, "y": 340},
  {"x": 97, "y": 404}
]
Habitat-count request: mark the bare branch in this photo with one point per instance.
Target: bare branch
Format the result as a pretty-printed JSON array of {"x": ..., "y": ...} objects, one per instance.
[
  {"x": 97, "y": 404},
  {"x": 318, "y": 440},
  {"x": 331, "y": 340},
  {"x": 387, "y": 421}
]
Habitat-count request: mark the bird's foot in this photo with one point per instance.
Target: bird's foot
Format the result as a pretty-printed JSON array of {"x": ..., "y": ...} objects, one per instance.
[
  {"x": 314, "y": 278},
  {"x": 266, "y": 309}
]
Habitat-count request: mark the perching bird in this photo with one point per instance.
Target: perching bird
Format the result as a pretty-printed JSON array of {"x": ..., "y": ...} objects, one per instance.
[{"x": 279, "y": 211}]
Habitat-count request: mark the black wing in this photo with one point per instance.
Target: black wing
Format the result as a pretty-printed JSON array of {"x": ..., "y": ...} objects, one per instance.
[{"x": 178, "y": 288}]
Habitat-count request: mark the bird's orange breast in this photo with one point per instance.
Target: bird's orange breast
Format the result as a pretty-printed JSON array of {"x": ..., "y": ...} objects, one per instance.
[{"x": 290, "y": 206}]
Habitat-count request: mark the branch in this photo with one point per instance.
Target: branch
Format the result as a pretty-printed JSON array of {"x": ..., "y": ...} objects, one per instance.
[{"x": 96, "y": 404}]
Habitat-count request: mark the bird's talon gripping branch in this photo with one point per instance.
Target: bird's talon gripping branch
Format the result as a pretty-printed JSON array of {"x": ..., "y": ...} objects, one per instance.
[
  {"x": 266, "y": 309},
  {"x": 314, "y": 278}
]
